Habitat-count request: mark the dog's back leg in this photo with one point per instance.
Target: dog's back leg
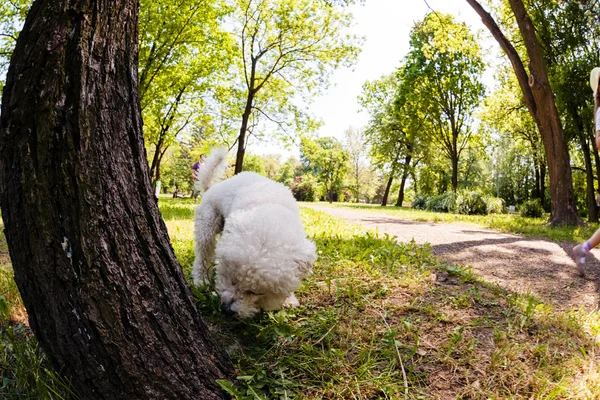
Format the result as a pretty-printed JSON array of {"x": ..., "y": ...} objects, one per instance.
[{"x": 208, "y": 223}]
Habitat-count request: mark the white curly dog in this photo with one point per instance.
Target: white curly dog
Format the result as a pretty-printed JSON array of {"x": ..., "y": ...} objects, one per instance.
[{"x": 263, "y": 251}]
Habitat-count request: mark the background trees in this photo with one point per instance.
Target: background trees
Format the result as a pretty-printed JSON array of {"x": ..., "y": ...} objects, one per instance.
[
  {"x": 326, "y": 159},
  {"x": 287, "y": 49},
  {"x": 539, "y": 99},
  {"x": 182, "y": 57},
  {"x": 445, "y": 64},
  {"x": 359, "y": 168}
]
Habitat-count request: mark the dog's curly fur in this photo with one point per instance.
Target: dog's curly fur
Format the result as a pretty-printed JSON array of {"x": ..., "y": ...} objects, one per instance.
[{"x": 263, "y": 251}]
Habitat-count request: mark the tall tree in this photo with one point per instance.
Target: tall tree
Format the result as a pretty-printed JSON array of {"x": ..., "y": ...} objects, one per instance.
[
  {"x": 105, "y": 295},
  {"x": 445, "y": 62},
  {"x": 539, "y": 99},
  {"x": 288, "y": 48},
  {"x": 182, "y": 57},
  {"x": 383, "y": 131},
  {"x": 326, "y": 158},
  {"x": 354, "y": 144},
  {"x": 570, "y": 37},
  {"x": 506, "y": 115}
]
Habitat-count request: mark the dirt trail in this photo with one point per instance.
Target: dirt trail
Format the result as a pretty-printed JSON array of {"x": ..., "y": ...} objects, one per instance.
[{"x": 522, "y": 264}]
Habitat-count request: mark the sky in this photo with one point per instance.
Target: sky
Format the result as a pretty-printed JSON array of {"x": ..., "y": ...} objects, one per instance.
[{"x": 386, "y": 26}]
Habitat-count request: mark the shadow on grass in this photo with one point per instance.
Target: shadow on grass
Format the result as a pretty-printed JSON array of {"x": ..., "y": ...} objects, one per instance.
[{"x": 375, "y": 310}]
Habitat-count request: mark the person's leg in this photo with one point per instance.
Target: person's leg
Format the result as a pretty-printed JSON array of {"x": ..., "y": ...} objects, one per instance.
[{"x": 581, "y": 250}]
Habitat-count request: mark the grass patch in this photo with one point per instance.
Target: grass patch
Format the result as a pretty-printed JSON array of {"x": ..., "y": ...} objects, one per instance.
[
  {"x": 509, "y": 223},
  {"x": 378, "y": 319}
]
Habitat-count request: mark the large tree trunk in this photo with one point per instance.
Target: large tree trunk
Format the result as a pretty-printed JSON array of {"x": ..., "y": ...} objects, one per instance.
[
  {"x": 539, "y": 100},
  {"x": 105, "y": 295}
]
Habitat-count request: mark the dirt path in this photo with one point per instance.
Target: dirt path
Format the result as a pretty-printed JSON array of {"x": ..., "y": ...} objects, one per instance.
[{"x": 515, "y": 262}]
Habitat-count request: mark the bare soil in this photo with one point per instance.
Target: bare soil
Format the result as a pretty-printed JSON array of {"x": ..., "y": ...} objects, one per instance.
[{"x": 527, "y": 265}]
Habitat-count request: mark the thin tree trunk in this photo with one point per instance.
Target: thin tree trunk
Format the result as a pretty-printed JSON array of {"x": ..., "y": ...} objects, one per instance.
[
  {"x": 386, "y": 194},
  {"x": 105, "y": 296},
  {"x": 454, "y": 179},
  {"x": 592, "y": 208},
  {"x": 589, "y": 180},
  {"x": 154, "y": 165},
  {"x": 543, "y": 182},
  {"x": 405, "y": 172},
  {"x": 536, "y": 190}
]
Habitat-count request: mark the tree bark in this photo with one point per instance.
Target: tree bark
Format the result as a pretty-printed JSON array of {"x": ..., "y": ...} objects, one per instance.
[
  {"x": 539, "y": 100},
  {"x": 581, "y": 135},
  {"x": 241, "y": 150},
  {"x": 386, "y": 194},
  {"x": 405, "y": 172},
  {"x": 105, "y": 295}
]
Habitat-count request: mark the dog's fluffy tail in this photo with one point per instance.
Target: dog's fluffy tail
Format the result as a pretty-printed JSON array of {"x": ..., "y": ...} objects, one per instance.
[{"x": 212, "y": 170}]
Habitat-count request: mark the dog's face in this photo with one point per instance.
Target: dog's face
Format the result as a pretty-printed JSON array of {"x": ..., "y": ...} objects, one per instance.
[
  {"x": 247, "y": 286},
  {"x": 262, "y": 255},
  {"x": 246, "y": 304},
  {"x": 236, "y": 300}
]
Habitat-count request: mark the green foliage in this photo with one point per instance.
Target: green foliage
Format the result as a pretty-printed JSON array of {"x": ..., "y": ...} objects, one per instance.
[
  {"x": 12, "y": 16},
  {"x": 290, "y": 170},
  {"x": 328, "y": 161},
  {"x": 286, "y": 50},
  {"x": 181, "y": 59},
  {"x": 532, "y": 209},
  {"x": 495, "y": 205},
  {"x": 26, "y": 372},
  {"x": 360, "y": 173},
  {"x": 444, "y": 67},
  {"x": 254, "y": 163},
  {"x": 517, "y": 153},
  {"x": 305, "y": 188},
  {"x": 471, "y": 203},
  {"x": 419, "y": 202},
  {"x": 442, "y": 203}
]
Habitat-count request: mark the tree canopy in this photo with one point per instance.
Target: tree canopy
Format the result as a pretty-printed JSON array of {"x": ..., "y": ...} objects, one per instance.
[{"x": 287, "y": 49}]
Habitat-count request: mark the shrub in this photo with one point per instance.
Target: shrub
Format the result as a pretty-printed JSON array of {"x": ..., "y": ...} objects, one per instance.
[
  {"x": 419, "y": 202},
  {"x": 304, "y": 188},
  {"x": 471, "y": 203},
  {"x": 495, "y": 205},
  {"x": 532, "y": 208},
  {"x": 442, "y": 203}
]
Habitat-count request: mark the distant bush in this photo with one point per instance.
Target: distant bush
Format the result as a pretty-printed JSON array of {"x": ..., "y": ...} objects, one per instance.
[
  {"x": 419, "y": 201},
  {"x": 442, "y": 203},
  {"x": 532, "y": 208},
  {"x": 471, "y": 203},
  {"x": 305, "y": 188},
  {"x": 495, "y": 205}
]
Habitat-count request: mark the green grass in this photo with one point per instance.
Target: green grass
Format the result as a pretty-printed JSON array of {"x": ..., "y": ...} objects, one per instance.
[
  {"x": 379, "y": 319},
  {"x": 509, "y": 223}
]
